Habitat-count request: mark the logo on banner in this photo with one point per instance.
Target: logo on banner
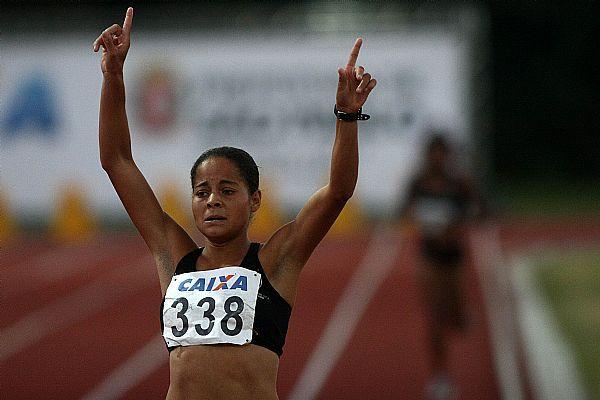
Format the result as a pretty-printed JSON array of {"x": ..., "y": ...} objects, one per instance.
[
  {"x": 158, "y": 100},
  {"x": 32, "y": 108}
]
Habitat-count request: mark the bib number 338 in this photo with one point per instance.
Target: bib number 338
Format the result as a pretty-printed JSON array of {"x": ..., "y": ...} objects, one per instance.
[{"x": 208, "y": 307}]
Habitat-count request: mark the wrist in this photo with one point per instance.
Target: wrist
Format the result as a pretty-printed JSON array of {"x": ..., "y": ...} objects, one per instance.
[
  {"x": 349, "y": 117},
  {"x": 345, "y": 109}
]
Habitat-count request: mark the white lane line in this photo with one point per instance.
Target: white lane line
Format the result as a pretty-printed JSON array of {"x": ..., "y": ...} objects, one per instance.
[
  {"x": 497, "y": 294},
  {"x": 75, "y": 307},
  {"x": 376, "y": 265},
  {"x": 134, "y": 370},
  {"x": 552, "y": 366}
]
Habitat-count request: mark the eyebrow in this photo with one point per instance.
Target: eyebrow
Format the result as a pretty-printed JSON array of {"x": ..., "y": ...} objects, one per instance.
[{"x": 221, "y": 182}]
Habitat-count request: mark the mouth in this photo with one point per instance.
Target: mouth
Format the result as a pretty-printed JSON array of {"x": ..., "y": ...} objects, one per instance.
[{"x": 214, "y": 218}]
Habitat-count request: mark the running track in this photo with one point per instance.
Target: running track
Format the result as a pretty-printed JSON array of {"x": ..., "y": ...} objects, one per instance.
[{"x": 82, "y": 320}]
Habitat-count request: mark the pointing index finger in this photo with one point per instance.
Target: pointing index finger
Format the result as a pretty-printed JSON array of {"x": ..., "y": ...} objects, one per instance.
[
  {"x": 128, "y": 20},
  {"x": 354, "y": 53}
]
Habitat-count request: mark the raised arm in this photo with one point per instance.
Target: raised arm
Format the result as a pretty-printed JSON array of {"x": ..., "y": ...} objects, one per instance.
[
  {"x": 165, "y": 239},
  {"x": 295, "y": 242}
]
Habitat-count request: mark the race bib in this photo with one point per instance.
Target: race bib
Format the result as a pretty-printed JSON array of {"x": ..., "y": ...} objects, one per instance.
[{"x": 208, "y": 307}]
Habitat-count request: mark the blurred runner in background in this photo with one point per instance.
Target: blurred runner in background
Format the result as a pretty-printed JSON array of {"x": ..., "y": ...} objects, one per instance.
[{"x": 441, "y": 200}]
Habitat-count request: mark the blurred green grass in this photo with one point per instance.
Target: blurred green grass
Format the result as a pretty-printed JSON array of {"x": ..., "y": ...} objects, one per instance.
[
  {"x": 571, "y": 284},
  {"x": 548, "y": 198}
]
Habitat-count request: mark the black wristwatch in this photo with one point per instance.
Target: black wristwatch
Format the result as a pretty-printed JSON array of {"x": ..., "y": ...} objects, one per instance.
[{"x": 357, "y": 116}]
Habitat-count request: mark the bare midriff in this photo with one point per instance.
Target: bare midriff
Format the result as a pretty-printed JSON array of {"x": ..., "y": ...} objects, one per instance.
[{"x": 223, "y": 372}]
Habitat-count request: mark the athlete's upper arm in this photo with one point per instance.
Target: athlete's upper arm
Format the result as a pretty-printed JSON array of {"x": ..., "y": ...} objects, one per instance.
[
  {"x": 293, "y": 244},
  {"x": 180, "y": 244},
  {"x": 162, "y": 235}
]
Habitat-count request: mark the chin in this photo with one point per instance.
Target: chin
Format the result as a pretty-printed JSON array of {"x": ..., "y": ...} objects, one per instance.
[
  {"x": 221, "y": 233},
  {"x": 217, "y": 237}
]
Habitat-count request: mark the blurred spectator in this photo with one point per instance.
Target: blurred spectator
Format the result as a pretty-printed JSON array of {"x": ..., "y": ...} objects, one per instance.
[{"x": 440, "y": 202}]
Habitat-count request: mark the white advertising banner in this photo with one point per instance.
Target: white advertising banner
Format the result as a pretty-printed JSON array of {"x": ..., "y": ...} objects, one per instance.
[{"x": 271, "y": 96}]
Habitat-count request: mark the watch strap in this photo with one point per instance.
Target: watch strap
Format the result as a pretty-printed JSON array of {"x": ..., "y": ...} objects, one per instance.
[{"x": 357, "y": 116}]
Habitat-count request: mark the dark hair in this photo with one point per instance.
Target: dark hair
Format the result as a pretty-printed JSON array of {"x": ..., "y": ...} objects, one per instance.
[{"x": 244, "y": 162}]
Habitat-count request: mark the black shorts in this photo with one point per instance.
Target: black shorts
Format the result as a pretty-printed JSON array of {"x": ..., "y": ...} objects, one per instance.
[{"x": 442, "y": 254}]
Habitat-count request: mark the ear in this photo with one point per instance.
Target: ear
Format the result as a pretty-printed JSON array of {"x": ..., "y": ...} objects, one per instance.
[{"x": 255, "y": 201}]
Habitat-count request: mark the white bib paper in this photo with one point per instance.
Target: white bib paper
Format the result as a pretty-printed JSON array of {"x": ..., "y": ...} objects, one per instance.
[
  {"x": 434, "y": 215},
  {"x": 208, "y": 307}
]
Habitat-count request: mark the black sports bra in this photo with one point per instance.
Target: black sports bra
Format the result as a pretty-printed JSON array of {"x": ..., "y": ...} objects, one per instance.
[{"x": 272, "y": 311}]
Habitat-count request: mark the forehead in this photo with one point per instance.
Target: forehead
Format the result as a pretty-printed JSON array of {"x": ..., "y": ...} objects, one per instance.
[{"x": 216, "y": 169}]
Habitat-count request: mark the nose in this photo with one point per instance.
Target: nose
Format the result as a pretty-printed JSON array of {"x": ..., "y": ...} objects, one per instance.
[{"x": 214, "y": 200}]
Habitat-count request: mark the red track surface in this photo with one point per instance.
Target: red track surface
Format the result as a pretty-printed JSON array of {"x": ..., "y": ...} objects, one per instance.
[{"x": 107, "y": 296}]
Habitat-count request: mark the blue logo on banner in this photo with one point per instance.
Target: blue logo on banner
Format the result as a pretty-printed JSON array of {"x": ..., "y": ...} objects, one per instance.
[{"x": 31, "y": 106}]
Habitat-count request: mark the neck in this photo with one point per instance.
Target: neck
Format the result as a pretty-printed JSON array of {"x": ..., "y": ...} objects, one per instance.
[
  {"x": 435, "y": 171},
  {"x": 227, "y": 253}
]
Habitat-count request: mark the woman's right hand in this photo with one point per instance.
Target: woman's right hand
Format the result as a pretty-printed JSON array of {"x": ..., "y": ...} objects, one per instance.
[{"x": 115, "y": 41}]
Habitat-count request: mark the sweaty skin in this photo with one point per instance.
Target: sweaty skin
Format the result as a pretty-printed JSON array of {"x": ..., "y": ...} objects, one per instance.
[{"x": 224, "y": 371}]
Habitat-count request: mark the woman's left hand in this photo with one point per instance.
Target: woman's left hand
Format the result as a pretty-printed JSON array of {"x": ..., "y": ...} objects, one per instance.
[{"x": 354, "y": 84}]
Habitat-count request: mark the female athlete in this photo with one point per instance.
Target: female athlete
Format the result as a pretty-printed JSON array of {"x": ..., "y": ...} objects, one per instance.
[
  {"x": 226, "y": 306},
  {"x": 440, "y": 204}
]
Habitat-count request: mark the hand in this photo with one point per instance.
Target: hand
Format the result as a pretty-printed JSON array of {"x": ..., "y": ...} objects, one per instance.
[
  {"x": 354, "y": 84},
  {"x": 115, "y": 45}
]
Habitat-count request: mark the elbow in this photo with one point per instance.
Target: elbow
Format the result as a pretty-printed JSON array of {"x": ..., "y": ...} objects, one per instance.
[
  {"x": 342, "y": 195},
  {"x": 109, "y": 164},
  {"x": 341, "y": 187},
  {"x": 106, "y": 165}
]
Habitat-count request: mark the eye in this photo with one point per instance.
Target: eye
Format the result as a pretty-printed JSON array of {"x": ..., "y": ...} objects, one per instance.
[
  {"x": 201, "y": 193},
  {"x": 228, "y": 192}
]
